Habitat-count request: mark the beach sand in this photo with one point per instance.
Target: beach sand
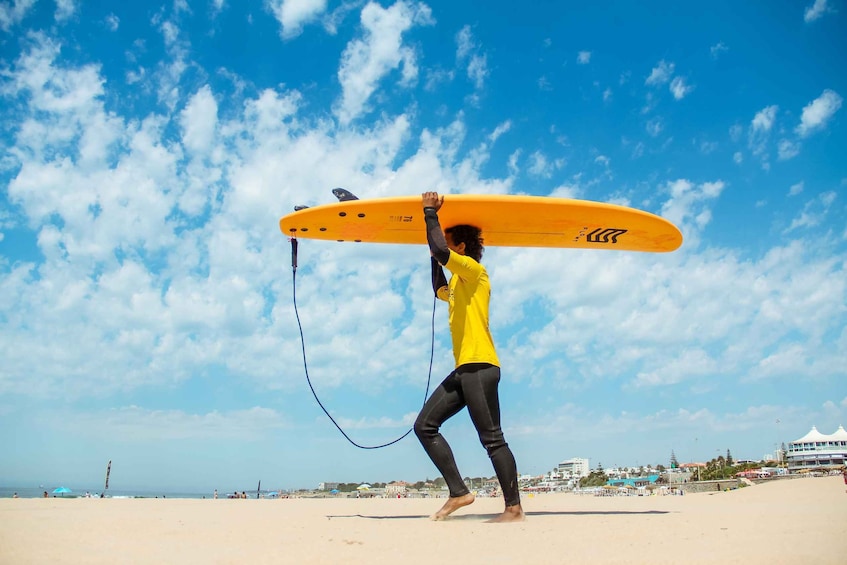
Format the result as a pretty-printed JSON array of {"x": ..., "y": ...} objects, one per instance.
[{"x": 786, "y": 521}]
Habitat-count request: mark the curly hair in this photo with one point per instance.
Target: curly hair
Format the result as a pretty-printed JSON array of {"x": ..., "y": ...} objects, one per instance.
[{"x": 471, "y": 236}]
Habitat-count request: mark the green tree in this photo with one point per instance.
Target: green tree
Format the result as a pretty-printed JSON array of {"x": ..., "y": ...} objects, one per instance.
[
  {"x": 596, "y": 478},
  {"x": 729, "y": 460},
  {"x": 674, "y": 462}
]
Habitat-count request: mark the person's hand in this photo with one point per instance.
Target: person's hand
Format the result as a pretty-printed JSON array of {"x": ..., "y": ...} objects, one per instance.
[{"x": 432, "y": 200}]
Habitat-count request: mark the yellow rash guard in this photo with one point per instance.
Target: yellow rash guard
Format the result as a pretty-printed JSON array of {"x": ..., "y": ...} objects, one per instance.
[{"x": 468, "y": 294}]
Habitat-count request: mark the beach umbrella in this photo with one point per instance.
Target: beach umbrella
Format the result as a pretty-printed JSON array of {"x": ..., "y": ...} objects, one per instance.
[
  {"x": 61, "y": 490},
  {"x": 363, "y": 486},
  {"x": 334, "y": 491}
]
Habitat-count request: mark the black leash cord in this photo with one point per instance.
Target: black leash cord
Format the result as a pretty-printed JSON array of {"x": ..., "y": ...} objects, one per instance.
[{"x": 306, "y": 367}]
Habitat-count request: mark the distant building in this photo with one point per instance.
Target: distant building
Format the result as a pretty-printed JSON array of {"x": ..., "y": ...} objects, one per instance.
[
  {"x": 634, "y": 482},
  {"x": 397, "y": 488},
  {"x": 816, "y": 450},
  {"x": 574, "y": 468},
  {"x": 327, "y": 486}
]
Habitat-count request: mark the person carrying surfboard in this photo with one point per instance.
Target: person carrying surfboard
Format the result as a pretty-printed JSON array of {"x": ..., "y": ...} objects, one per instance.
[{"x": 475, "y": 380}]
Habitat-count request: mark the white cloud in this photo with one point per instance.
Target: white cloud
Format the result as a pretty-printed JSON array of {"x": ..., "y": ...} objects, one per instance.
[
  {"x": 660, "y": 74},
  {"x": 137, "y": 424},
  {"x": 769, "y": 299},
  {"x": 654, "y": 127},
  {"x": 467, "y": 50},
  {"x": 816, "y": 10},
  {"x": 500, "y": 130},
  {"x": 169, "y": 70},
  {"x": 478, "y": 70},
  {"x": 170, "y": 32},
  {"x": 735, "y": 132},
  {"x": 759, "y": 132},
  {"x": 813, "y": 212},
  {"x": 688, "y": 205},
  {"x": 583, "y": 57},
  {"x": 512, "y": 162},
  {"x": 787, "y": 149},
  {"x": 818, "y": 112},
  {"x": 13, "y": 14},
  {"x": 737, "y": 157},
  {"x": 65, "y": 9},
  {"x": 366, "y": 61},
  {"x": 764, "y": 119},
  {"x": 199, "y": 120},
  {"x": 688, "y": 364},
  {"x": 796, "y": 189},
  {"x": 464, "y": 43},
  {"x": 113, "y": 22},
  {"x": 334, "y": 19},
  {"x": 708, "y": 147},
  {"x": 294, "y": 14},
  {"x": 679, "y": 89},
  {"x": 718, "y": 49},
  {"x": 539, "y": 165}
]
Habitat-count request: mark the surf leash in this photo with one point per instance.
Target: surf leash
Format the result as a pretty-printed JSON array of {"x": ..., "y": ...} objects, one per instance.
[{"x": 294, "y": 243}]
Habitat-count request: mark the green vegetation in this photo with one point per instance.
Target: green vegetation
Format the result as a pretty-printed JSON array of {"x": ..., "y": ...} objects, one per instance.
[
  {"x": 724, "y": 468},
  {"x": 595, "y": 478},
  {"x": 674, "y": 462}
]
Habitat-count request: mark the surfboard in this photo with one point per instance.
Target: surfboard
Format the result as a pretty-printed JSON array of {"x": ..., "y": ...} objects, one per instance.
[{"x": 505, "y": 220}]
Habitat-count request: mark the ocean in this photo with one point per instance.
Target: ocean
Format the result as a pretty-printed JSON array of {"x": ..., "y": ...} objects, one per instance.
[{"x": 38, "y": 492}]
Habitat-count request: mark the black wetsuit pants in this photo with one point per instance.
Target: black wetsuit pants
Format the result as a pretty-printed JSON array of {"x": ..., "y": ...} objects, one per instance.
[{"x": 474, "y": 386}]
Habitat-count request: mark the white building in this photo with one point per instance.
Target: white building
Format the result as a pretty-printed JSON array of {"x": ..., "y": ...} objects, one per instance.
[
  {"x": 573, "y": 468},
  {"x": 815, "y": 450}
]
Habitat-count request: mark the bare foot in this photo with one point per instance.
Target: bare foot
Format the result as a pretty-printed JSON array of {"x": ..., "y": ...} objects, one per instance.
[
  {"x": 453, "y": 503},
  {"x": 511, "y": 514}
]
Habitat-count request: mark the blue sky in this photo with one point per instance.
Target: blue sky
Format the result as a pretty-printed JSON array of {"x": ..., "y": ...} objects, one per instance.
[{"x": 145, "y": 291}]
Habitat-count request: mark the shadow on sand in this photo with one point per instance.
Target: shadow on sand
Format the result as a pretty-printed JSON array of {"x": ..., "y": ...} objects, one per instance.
[{"x": 477, "y": 517}]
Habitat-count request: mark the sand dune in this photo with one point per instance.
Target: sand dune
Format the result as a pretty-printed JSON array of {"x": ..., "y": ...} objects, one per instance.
[{"x": 791, "y": 521}]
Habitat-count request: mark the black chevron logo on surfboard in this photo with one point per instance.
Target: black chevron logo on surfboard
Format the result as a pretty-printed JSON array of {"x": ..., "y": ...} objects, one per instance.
[{"x": 605, "y": 235}]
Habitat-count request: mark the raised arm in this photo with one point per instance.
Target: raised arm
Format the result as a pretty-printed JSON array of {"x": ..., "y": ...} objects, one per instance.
[{"x": 434, "y": 234}]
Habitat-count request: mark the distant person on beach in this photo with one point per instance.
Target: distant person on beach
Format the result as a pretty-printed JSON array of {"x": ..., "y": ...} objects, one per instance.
[
  {"x": 15, "y": 495},
  {"x": 475, "y": 380},
  {"x": 45, "y": 494},
  {"x": 216, "y": 494}
]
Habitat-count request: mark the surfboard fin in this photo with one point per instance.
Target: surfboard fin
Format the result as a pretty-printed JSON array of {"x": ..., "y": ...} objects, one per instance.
[
  {"x": 299, "y": 207},
  {"x": 344, "y": 195}
]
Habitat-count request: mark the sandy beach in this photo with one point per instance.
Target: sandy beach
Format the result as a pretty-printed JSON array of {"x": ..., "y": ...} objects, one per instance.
[{"x": 790, "y": 521}]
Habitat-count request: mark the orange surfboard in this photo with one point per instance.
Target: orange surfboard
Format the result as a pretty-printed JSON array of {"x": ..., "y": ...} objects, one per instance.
[{"x": 505, "y": 220}]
